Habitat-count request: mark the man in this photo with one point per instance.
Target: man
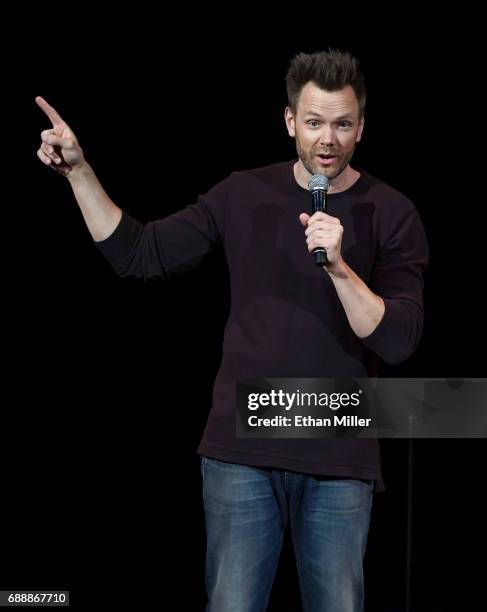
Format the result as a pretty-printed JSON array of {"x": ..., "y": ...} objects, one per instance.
[{"x": 288, "y": 319}]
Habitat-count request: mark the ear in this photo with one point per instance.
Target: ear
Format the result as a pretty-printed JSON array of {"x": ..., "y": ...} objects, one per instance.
[
  {"x": 290, "y": 124},
  {"x": 360, "y": 129}
]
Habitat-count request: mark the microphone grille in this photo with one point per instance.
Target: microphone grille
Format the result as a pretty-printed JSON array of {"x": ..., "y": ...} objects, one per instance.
[{"x": 318, "y": 181}]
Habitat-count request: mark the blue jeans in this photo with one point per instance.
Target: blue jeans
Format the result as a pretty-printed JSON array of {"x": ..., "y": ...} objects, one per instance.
[{"x": 247, "y": 510}]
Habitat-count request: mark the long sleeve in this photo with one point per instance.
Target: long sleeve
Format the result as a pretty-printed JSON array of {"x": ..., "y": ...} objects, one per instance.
[
  {"x": 162, "y": 248},
  {"x": 397, "y": 277}
]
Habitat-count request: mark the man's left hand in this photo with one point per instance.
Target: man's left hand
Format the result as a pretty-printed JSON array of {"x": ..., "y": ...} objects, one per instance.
[{"x": 323, "y": 230}]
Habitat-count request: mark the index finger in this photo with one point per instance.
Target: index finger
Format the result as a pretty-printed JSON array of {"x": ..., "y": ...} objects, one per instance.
[
  {"x": 50, "y": 111},
  {"x": 319, "y": 215}
]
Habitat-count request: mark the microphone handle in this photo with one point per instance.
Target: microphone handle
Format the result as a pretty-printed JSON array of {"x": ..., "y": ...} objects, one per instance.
[{"x": 319, "y": 203}]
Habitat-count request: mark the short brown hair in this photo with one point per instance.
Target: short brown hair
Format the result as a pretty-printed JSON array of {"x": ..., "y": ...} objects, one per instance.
[{"x": 331, "y": 70}]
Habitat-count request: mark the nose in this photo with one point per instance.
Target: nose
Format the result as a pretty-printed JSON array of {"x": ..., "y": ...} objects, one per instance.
[{"x": 326, "y": 136}]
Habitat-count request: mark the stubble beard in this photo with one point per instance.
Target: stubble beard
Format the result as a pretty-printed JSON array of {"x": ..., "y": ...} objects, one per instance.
[{"x": 313, "y": 167}]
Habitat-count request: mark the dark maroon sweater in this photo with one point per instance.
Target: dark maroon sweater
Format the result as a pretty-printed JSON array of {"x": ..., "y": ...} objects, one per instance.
[{"x": 286, "y": 319}]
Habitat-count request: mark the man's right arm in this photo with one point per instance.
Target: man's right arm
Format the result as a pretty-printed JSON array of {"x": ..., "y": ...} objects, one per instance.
[
  {"x": 157, "y": 249},
  {"x": 61, "y": 151},
  {"x": 101, "y": 215}
]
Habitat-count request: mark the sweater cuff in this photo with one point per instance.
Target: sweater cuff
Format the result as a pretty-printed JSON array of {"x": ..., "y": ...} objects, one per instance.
[
  {"x": 121, "y": 239},
  {"x": 389, "y": 335}
]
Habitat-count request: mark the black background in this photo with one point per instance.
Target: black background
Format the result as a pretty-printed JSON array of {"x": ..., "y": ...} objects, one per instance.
[{"x": 107, "y": 383}]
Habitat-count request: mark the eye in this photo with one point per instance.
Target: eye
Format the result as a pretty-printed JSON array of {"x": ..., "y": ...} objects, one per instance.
[
  {"x": 312, "y": 121},
  {"x": 345, "y": 124}
]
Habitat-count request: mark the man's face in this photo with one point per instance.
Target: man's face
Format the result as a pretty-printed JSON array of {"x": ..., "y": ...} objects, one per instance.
[{"x": 325, "y": 123}]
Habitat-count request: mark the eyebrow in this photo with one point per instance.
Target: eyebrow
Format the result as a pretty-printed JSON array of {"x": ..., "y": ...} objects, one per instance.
[{"x": 312, "y": 113}]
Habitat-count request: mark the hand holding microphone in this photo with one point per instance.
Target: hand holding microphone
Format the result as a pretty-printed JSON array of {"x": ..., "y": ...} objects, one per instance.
[{"x": 323, "y": 232}]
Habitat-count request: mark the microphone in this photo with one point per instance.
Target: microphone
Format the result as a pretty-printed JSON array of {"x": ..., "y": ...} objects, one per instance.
[{"x": 318, "y": 187}]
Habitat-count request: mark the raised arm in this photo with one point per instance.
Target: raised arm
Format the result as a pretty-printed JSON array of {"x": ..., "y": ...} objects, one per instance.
[{"x": 61, "y": 151}]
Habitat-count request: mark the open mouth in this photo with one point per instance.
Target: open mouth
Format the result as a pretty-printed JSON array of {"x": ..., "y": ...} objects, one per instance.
[{"x": 326, "y": 159}]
